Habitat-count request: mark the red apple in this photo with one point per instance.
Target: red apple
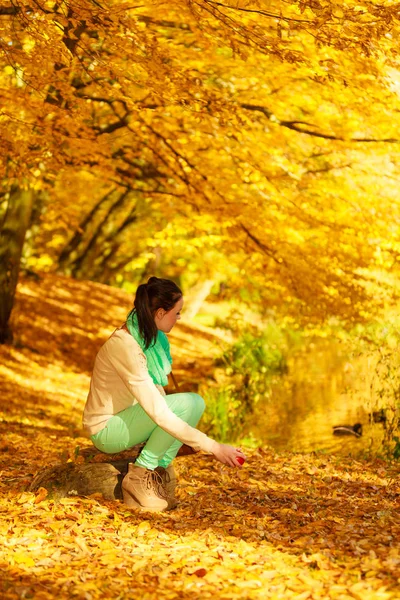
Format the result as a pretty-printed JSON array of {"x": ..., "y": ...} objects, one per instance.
[{"x": 240, "y": 460}]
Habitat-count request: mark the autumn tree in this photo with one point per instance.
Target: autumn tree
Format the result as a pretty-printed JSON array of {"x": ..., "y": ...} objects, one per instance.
[{"x": 269, "y": 124}]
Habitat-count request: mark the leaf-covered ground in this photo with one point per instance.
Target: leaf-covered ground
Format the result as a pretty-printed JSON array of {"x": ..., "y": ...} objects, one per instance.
[{"x": 285, "y": 526}]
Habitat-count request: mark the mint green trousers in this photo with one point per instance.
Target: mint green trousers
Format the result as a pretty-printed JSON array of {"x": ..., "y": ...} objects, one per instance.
[{"x": 133, "y": 426}]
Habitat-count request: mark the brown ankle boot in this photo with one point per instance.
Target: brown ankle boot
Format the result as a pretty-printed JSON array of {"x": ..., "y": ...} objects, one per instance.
[
  {"x": 142, "y": 488},
  {"x": 168, "y": 477}
]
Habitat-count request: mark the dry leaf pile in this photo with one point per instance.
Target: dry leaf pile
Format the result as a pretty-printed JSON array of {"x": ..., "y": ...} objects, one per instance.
[{"x": 285, "y": 526}]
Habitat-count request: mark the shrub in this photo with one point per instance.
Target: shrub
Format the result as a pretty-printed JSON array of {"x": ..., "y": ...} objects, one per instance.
[{"x": 244, "y": 372}]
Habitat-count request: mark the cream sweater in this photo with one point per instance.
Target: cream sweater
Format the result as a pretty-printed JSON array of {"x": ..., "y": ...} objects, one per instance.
[{"x": 120, "y": 379}]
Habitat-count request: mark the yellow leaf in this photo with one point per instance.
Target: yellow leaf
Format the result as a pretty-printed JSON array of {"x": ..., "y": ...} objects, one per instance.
[
  {"x": 143, "y": 528},
  {"x": 41, "y": 495},
  {"x": 23, "y": 559}
]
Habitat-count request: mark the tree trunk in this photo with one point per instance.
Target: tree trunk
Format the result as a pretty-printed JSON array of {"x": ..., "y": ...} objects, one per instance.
[
  {"x": 12, "y": 237},
  {"x": 67, "y": 254},
  {"x": 80, "y": 267},
  {"x": 96, "y": 473},
  {"x": 111, "y": 245},
  {"x": 196, "y": 296}
]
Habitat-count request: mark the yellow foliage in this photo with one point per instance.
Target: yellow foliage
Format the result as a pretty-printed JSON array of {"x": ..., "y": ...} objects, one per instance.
[{"x": 276, "y": 125}]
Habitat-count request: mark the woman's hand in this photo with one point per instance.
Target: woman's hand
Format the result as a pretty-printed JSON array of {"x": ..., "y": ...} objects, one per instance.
[{"x": 228, "y": 455}]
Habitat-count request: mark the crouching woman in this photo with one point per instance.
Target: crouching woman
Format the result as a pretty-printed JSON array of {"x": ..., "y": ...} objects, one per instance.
[{"x": 127, "y": 404}]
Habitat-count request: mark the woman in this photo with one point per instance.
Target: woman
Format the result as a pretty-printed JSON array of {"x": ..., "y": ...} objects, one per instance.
[{"x": 127, "y": 404}]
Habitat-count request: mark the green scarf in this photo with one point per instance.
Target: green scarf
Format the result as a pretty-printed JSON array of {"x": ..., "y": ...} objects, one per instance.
[{"x": 158, "y": 355}]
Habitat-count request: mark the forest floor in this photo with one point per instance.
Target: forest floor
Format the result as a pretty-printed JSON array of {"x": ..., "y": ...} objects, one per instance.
[{"x": 285, "y": 526}]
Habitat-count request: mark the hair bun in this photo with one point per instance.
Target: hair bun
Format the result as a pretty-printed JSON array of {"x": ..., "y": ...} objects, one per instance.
[{"x": 152, "y": 280}]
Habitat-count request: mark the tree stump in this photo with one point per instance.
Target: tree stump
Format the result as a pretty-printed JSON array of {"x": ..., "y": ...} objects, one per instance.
[{"x": 93, "y": 473}]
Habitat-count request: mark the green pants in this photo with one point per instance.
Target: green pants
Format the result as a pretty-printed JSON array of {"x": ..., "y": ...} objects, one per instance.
[{"x": 133, "y": 426}]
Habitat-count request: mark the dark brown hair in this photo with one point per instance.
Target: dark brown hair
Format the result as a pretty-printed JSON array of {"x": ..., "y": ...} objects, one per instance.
[{"x": 156, "y": 293}]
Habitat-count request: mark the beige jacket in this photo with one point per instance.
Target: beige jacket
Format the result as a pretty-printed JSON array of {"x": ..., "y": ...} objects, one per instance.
[{"x": 120, "y": 379}]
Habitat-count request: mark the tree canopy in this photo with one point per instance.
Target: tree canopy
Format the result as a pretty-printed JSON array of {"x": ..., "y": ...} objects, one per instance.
[{"x": 252, "y": 142}]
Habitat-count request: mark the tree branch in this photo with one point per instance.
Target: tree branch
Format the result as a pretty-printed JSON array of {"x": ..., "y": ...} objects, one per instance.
[
  {"x": 298, "y": 126},
  {"x": 264, "y": 13},
  {"x": 266, "y": 250},
  {"x": 163, "y": 23},
  {"x": 6, "y": 11}
]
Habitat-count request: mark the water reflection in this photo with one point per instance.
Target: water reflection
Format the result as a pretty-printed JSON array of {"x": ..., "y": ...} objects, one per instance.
[{"x": 321, "y": 390}]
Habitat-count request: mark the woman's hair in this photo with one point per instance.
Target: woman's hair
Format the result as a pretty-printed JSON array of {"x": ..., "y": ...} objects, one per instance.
[{"x": 156, "y": 293}]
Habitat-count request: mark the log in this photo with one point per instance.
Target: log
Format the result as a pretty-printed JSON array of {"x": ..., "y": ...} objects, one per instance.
[{"x": 93, "y": 473}]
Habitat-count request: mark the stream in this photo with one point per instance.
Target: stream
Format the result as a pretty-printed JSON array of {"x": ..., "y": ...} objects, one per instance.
[{"x": 322, "y": 389}]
